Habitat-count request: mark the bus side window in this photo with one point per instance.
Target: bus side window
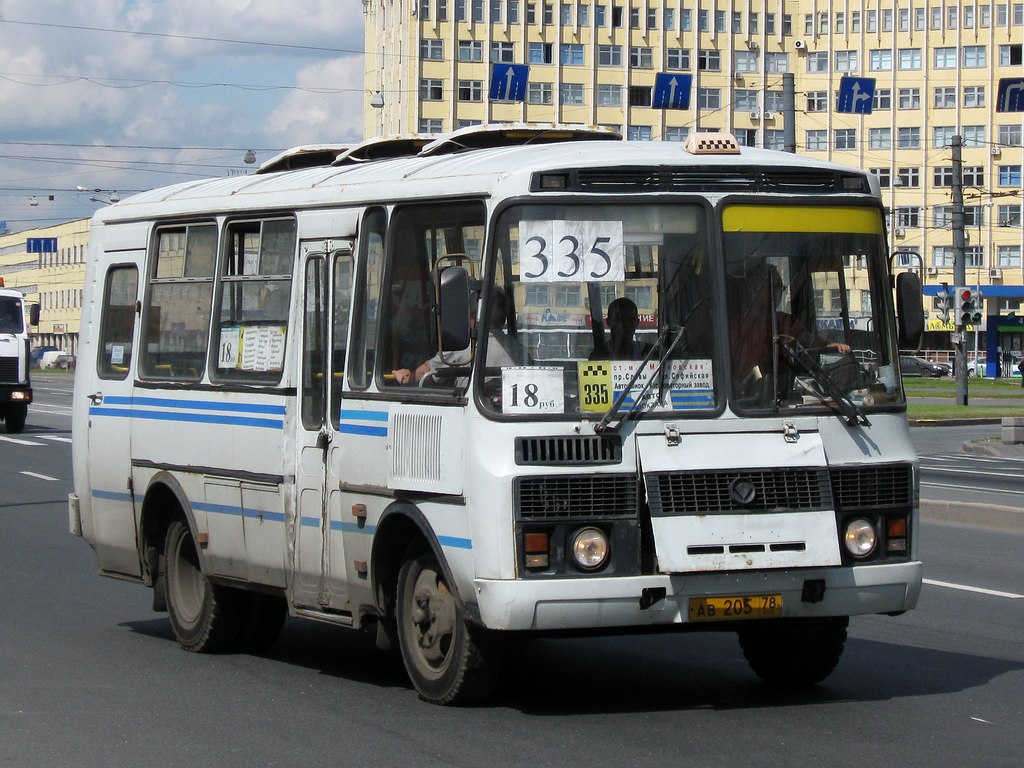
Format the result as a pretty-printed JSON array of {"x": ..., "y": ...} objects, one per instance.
[
  {"x": 342, "y": 304},
  {"x": 117, "y": 325},
  {"x": 366, "y": 314}
]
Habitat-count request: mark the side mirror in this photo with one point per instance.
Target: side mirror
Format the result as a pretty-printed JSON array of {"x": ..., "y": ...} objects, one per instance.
[
  {"x": 452, "y": 310},
  {"x": 33, "y": 314},
  {"x": 909, "y": 310}
]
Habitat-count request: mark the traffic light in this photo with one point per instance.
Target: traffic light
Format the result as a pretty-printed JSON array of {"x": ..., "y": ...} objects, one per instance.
[
  {"x": 942, "y": 303},
  {"x": 968, "y": 306}
]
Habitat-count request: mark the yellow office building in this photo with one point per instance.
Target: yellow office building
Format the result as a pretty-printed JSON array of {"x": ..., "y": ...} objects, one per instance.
[{"x": 936, "y": 69}]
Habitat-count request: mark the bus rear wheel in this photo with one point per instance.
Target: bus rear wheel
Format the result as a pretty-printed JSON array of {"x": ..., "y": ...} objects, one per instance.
[
  {"x": 15, "y": 418},
  {"x": 794, "y": 653},
  {"x": 447, "y": 660},
  {"x": 204, "y": 617}
]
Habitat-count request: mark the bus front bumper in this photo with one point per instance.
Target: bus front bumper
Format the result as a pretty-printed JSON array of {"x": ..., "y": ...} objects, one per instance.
[{"x": 639, "y": 601}]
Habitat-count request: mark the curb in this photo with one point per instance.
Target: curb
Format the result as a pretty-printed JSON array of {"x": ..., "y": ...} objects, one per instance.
[{"x": 969, "y": 513}]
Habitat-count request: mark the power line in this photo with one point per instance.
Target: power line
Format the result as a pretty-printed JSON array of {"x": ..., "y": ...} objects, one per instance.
[{"x": 111, "y": 82}]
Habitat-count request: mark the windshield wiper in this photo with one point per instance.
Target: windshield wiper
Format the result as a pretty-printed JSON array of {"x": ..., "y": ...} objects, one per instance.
[
  {"x": 799, "y": 356},
  {"x": 604, "y": 423}
]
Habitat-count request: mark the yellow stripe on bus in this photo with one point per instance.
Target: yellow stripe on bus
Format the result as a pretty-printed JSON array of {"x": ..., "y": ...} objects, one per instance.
[{"x": 801, "y": 218}]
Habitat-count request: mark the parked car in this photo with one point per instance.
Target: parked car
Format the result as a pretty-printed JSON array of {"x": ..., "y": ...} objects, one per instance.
[
  {"x": 50, "y": 357},
  {"x": 36, "y": 355},
  {"x": 979, "y": 367},
  {"x": 918, "y": 366}
]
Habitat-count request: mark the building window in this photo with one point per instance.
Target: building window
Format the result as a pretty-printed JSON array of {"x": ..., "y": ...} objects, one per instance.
[
  {"x": 678, "y": 58},
  {"x": 974, "y": 176},
  {"x": 540, "y": 53},
  {"x": 817, "y": 141},
  {"x": 817, "y": 61},
  {"x": 879, "y": 138},
  {"x": 503, "y": 53},
  {"x": 471, "y": 50},
  {"x": 910, "y": 98},
  {"x": 570, "y": 93},
  {"x": 639, "y": 133},
  {"x": 945, "y": 58},
  {"x": 676, "y": 133},
  {"x": 882, "y": 99},
  {"x": 908, "y": 216},
  {"x": 942, "y": 136},
  {"x": 640, "y": 96},
  {"x": 745, "y": 137},
  {"x": 709, "y": 60},
  {"x": 1011, "y": 55},
  {"x": 909, "y": 178},
  {"x": 973, "y": 135},
  {"x": 846, "y": 61},
  {"x": 942, "y": 256},
  {"x": 641, "y": 57},
  {"x": 884, "y": 177},
  {"x": 945, "y": 97},
  {"x": 470, "y": 90},
  {"x": 745, "y": 61},
  {"x": 744, "y": 100},
  {"x": 539, "y": 93},
  {"x": 432, "y": 50},
  {"x": 909, "y": 58},
  {"x": 1009, "y": 215},
  {"x": 942, "y": 176},
  {"x": 571, "y": 54},
  {"x": 1008, "y": 255},
  {"x": 817, "y": 101},
  {"x": 880, "y": 60},
  {"x": 974, "y": 56},
  {"x": 431, "y": 90},
  {"x": 1010, "y": 135},
  {"x": 609, "y": 55},
  {"x": 709, "y": 98},
  {"x": 776, "y": 62},
  {"x": 846, "y": 138},
  {"x": 609, "y": 95},
  {"x": 908, "y": 138},
  {"x": 974, "y": 96},
  {"x": 1009, "y": 176}
]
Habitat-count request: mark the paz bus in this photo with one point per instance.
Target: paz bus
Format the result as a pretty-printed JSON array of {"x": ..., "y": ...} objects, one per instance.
[{"x": 251, "y": 443}]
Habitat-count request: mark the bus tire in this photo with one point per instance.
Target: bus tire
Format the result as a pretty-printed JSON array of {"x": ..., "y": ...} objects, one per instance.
[
  {"x": 794, "y": 653},
  {"x": 447, "y": 660},
  {"x": 15, "y": 419},
  {"x": 205, "y": 617}
]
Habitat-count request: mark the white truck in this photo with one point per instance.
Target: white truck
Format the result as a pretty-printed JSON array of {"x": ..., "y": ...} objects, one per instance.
[{"x": 15, "y": 387}]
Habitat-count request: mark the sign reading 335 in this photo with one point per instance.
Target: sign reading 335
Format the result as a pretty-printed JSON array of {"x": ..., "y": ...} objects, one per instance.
[{"x": 571, "y": 251}]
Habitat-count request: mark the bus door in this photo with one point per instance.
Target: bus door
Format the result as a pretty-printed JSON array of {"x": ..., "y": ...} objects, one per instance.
[
  {"x": 109, "y": 423},
  {"x": 320, "y": 579}
]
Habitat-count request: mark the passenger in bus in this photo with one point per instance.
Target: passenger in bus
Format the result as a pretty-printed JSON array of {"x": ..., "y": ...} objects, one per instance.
[
  {"x": 623, "y": 319},
  {"x": 750, "y": 327},
  {"x": 502, "y": 350}
]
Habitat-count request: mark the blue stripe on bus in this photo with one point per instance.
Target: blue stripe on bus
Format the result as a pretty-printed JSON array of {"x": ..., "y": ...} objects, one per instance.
[
  {"x": 205, "y": 405},
  {"x": 362, "y": 429},
  {"x": 202, "y": 418},
  {"x": 231, "y": 509},
  {"x": 364, "y": 415},
  {"x": 111, "y": 495}
]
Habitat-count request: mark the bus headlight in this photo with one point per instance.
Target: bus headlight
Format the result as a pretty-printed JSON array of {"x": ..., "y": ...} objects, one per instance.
[
  {"x": 589, "y": 549},
  {"x": 860, "y": 537}
]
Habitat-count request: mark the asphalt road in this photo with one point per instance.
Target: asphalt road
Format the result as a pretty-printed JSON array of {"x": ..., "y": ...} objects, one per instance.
[{"x": 90, "y": 676}]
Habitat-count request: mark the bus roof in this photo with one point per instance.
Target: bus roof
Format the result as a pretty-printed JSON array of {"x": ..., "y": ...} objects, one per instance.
[{"x": 415, "y": 169}]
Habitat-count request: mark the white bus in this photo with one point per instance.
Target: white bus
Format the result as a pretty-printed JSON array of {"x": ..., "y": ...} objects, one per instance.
[
  {"x": 384, "y": 393},
  {"x": 15, "y": 361}
]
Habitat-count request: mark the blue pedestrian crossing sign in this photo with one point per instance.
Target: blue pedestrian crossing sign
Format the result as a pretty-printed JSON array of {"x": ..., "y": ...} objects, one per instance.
[
  {"x": 508, "y": 82},
  {"x": 671, "y": 91},
  {"x": 856, "y": 95},
  {"x": 1011, "y": 95}
]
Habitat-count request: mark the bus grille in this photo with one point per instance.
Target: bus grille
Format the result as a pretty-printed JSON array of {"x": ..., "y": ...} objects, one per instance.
[
  {"x": 568, "y": 497},
  {"x": 573, "y": 449},
  {"x": 873, "y": 487},
  {"x": 9, "y": 370},
  {"x": 703, "y": 493}
]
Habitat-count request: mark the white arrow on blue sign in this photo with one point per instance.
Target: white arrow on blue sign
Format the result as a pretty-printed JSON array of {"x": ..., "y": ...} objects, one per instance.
[
  {"x": 671, "y": 91},
  {"x": 1011, "y": 95},
  {"x": 508, "y": 82},
  {"x": 856, "y": 95}
]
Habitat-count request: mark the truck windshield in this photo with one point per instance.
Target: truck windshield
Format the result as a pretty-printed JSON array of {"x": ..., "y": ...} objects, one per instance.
[
  {"x": 587, "y": 297},
  {"x": 12, "y": 317},
  {"x": 806, "y": 293}
]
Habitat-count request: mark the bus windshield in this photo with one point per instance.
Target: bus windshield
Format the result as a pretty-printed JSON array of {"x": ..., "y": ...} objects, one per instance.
[
  {"x": 12, "y": 318},
  {"x": 597, "y": 301},
  {"x": 805, "y": 292}
]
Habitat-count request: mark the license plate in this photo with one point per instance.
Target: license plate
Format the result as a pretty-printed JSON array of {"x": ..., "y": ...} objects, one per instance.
[{"x": 738, "y": 607}]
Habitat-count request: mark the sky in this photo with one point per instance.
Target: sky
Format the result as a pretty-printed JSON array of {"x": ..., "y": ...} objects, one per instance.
[{"x": 125, "y": 96}]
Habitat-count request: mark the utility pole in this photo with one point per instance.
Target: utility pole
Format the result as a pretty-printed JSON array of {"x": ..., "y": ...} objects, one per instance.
[
  {"x": 788, "y": 112},
  {"x": 959, "y": 267}
]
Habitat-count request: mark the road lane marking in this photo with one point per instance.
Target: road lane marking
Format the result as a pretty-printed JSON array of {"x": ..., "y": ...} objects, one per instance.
[
  {"x": 19, "y": 441},
  {"x": 982, "y": 489},
  {"x": 39, "y": 476},
  {"x": 57, "y": 438},
  {"x": 979, "y": 590}
]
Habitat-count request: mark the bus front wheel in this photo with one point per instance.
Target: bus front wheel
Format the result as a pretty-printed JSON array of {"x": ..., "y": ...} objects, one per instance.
[
  {"x": 794, "y": 652},
  {"x": 15, "y": 418},
  {"x": 448, "y": 661},
  {"x": 205, "y": 617}
]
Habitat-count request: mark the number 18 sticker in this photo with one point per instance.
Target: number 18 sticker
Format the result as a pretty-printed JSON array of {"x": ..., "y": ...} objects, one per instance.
[{"x": 532, "y": 390}]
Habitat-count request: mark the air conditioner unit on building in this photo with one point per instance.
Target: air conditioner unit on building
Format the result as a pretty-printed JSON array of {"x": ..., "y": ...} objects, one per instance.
[
  {"x": 900, "y": 232},
  {"x": 738, "y": 77},
  {"x": 753, "y": 44},
  {"x": 799, "y": 45},
  {"x": 996, "y": 150},
  {"x": 769, "y": 115},
  {"x": 995, "y": 274},
  {"x": 933, "y": 270},
  {"x": 754, "y": 115}
]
